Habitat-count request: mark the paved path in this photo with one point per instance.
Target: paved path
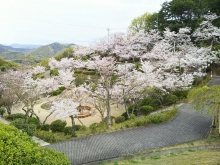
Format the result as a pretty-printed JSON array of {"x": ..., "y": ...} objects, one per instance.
[{"x": 187, "y": 126}]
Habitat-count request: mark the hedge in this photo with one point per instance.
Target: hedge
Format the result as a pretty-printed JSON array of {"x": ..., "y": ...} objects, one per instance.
[
  {"x": 57, "y": 125},
  {"x": 15, "y": 116},
  {"x": 18, "y": 148},
  {"x": 28, "y": 128}
]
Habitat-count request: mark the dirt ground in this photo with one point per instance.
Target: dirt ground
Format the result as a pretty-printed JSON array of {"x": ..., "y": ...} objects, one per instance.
[{"x": 42, "y": 113}]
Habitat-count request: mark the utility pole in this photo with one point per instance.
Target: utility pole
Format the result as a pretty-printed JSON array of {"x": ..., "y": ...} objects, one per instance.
[{"x": 108, "y": 34}]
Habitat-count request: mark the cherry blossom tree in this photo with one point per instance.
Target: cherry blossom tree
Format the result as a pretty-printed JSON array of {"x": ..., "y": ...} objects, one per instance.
[
  {"x": 105, "y": 67},
  {"x": 28, "y": 90},
  {"x": 207, "y": 31},
  {"x": 65, "y": 108}
]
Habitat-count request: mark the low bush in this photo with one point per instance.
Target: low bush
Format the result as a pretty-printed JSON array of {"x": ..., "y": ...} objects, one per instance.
[
  {"x": 181, "y": 94},
  {"x": 83, "y": 128},
  {"x": 93, "y": 127},
  {"x": 151, "y": 102},
  {"x": 57, "y": 126},
  {"x": 77, "y": 71},
  {"x": 28, "y": 128},
  {"x": 146, "y": 109},
  {"x": 157, "y": 118},
  {"x": 58, "y": 91},
  {"x": 132, "y": 108},
  {"x": 15, "y": 116},
  {"x": 119, "y": 119},
  {"x": 132, "y": 116},
  {"x": 18, "y": 123},
  {"x": 171, "y": 99},
  {"x": 33, "y": 120},
  {"x": 46, "y": 136},
  {"x": 54, "y": 72},
  {"x": 18, "y": 148},
  {"x": 45, "y": 127},
  {"x": 77, "y": 127},
  {"x": 67, "y": 130},
  {"x": 2, "y": 111},
  {"x": 89, "y": 72}
]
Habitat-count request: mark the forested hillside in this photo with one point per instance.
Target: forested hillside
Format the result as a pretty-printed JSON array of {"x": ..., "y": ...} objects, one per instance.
[{"x": 48, "y": 51}]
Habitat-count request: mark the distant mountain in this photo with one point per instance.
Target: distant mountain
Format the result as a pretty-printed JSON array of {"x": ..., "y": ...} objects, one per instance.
[
  {"x": 25, "y": 46},
  {"x": 48, "y": 51},
  {"x": 4, "y": 48},
  {"x": 19, "y": 52}
]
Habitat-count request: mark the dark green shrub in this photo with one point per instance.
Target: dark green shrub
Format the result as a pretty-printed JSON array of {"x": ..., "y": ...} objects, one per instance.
[
  {"x": 83, "y": 128},
  {"x": 77, "y": 71},
  {"x": 16, "y": 116},
  {"x": 62, "y": 88},
  {"x": 93, "y": 127},
  {"x": 151, "y": 102},
  {"x": 89, "y": 72},
  {"x": 77, "y": 127},
  {"x": 56, "y": 92},
  {"x": 46, "y": 136},
  {"x": 2, "y": 111},
  {"x": 132, "y": 108},
  {"x": 170, "y": 99},
  {"x": 18, "y": 148},
  {"x": 132, "y": 116},
  {"x": 119, "y": 119},
  {"x": 54, "y": 72},
  {"x": 181, "y": 94},
  {"x": 156, "y": 119},
  {"x": 45, "y": 127},
  {"x": 57, "y": 126},
  {"x": 139, "y": 123},
  {"x": 146, "y": 109},
  {"x": 67, "y": 130},
  {"x": 18, "y": 123},
  {"x": 28, "y": 128},
  {"x": 33, "y": 120},
  {"x": 125, "y": 115}
]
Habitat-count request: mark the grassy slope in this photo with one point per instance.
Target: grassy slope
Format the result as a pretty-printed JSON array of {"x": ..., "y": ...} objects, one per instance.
[{"x": 202, "y": 157}]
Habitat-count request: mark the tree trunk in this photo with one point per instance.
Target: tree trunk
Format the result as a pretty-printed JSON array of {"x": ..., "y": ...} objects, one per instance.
[
  {"x": 125, "y": 105},
  {"x": 73, "y": 126},
  {"x": 47, "y": 117},
  {"x": 219, "y": 124},
  {"x": 108, "y": 107},
  {"x": 79, "y": 120}
]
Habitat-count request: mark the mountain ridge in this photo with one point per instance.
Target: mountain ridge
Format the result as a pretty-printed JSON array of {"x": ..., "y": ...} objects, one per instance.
[{"x": 44, "y": 51}]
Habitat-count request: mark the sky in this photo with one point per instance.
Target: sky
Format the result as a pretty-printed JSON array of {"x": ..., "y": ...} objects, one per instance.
[{"x": 80, "y": 22}]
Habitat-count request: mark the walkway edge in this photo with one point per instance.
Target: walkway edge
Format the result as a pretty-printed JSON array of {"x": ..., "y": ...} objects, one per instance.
[{"x": 153, "y": 154}]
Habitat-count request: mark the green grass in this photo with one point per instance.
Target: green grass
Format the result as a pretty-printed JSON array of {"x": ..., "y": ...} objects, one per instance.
[
  {"x": 202, "y": 157},
  {"x": 46, "y": 106}
]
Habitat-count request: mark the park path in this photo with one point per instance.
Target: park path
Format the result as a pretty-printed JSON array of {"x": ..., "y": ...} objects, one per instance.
[{"x": 187, "y": 126}]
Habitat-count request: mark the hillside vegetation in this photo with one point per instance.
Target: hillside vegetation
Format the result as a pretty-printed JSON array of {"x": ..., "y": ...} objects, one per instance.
[
  {"x": 48, "y": 51},
  {"x": 4, "y": 65}
]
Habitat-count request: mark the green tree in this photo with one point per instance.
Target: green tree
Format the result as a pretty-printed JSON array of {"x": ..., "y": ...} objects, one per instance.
[
  {"x": 207, "y": 99},
  {"x": 181, "y": 13},
  {"x": 145, "y": 22}
]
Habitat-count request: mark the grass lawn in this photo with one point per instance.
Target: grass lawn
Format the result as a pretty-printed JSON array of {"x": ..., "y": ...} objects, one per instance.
[{"x": 191, "y": 157}]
